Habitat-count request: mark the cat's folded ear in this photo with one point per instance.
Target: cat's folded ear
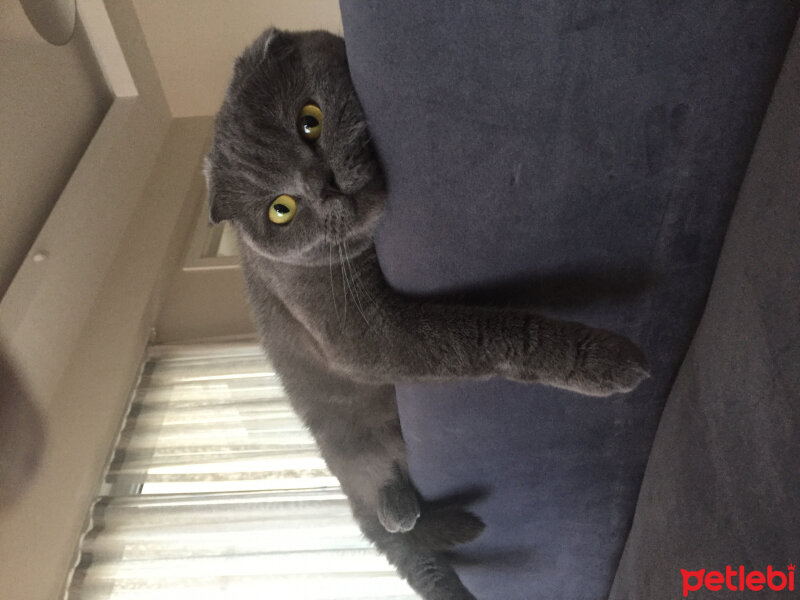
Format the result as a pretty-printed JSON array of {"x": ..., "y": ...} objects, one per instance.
[
  {"x": 215, "y": 212},
  {"x": 263, "y": 42},
  {"x": 266, "y": 46}
]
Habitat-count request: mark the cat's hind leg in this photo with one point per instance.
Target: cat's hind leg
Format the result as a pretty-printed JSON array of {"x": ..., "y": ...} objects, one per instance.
[
  {"x": 398, "y": 504},
  {"x": 418, "y": 555}
]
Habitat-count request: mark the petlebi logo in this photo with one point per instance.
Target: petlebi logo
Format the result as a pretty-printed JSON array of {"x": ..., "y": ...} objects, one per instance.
[{"x": 738, "y": 580}]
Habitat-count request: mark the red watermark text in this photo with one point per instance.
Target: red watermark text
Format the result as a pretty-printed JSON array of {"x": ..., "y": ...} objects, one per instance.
[{"x": 738, "y": 580}]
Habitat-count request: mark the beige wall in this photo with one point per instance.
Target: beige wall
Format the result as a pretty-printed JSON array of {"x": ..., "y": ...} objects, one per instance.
[
  {"x": 194, "y": 42},
  {"x": 77, "y": 323},
  {"x": 114, "y": 229},
  {"x": 204, "y": 304},
  {"x": 44, "y": 310},
  {"x": 85, "y": 411},
  {"x": 52, "y": 99}
]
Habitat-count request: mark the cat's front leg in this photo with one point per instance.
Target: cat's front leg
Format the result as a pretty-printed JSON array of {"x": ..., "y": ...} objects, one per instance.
[
  {"x": 408, "y": 341},
  {"x": 582, "y": 359}
]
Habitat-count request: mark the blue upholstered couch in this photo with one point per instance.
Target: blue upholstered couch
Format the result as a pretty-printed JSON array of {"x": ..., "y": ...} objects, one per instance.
[{"x": 585, "y": 157}]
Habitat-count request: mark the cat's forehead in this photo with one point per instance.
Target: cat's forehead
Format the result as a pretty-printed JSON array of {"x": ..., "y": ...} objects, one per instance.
[
  {"x": 275, "y": 78},
  {"x": 266, "y": 163},
  {"x": 280, "y": 68}
]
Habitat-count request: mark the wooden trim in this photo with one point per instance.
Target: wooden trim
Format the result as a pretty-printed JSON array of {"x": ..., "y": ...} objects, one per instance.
[{"x": 106, "y": 47}]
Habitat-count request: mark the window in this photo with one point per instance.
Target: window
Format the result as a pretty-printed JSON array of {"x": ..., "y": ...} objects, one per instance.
[{"x": 216, "y": 491}]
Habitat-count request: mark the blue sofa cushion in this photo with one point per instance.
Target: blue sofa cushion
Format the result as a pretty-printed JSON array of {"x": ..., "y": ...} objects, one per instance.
[{"x": 582, "y": 157}]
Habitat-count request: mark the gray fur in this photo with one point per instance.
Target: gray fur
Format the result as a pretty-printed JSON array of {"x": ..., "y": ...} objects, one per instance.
[
  {"x": 337, "y": 334},
  {"x": 22, "y": 435}
]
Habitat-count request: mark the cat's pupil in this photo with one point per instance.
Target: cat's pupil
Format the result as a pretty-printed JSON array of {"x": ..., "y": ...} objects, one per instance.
[
  {"x": 309, "y": 123},
  {"x": 281, "y": 209}
]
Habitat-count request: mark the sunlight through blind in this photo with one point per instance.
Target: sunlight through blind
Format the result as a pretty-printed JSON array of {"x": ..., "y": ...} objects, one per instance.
[{"x": 217, "y": 491}]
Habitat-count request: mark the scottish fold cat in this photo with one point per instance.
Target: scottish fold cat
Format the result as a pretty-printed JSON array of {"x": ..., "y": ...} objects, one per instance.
[{"x": 292, "y": 168}]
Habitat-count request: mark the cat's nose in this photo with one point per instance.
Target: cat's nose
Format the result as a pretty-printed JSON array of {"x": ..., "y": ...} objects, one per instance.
[{"x": 331, "y": 188}]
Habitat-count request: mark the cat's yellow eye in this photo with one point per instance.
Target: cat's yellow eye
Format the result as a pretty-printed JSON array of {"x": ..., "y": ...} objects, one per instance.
[
  {"x": 310, "y": 122},
  {"x": 282, "y": 209}
]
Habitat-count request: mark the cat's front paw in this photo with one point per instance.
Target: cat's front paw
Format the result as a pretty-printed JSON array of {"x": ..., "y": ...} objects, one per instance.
[
  {"x": 605, "y": 364},
  {"x": 398, "y": 508}
]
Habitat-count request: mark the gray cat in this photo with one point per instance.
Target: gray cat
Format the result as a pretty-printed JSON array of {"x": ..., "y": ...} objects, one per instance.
[{"x": 292, "y": 168}]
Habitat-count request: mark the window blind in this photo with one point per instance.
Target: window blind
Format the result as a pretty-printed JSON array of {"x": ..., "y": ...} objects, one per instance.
[{"x": 216, "y": 490}]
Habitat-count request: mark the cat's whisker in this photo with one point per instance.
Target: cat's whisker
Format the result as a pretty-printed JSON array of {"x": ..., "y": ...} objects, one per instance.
[
  {"x": 348, "y": 282},
  {"x": 363, "y": 288},
  {"x": 354, "y": 287},
  {"x": 344, "y": 280},
  {"x": 330, "y": 271},
  {"x": 354, "y": 276},
  {"x": 348, "y": 269}
]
